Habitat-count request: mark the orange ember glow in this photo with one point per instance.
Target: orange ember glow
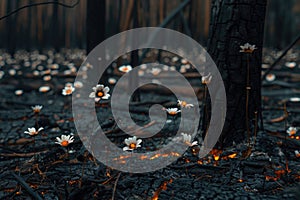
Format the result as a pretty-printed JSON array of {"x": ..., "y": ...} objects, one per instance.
[
  {"x": 232, "y": 155},
  {"x": 143, "y": 157},
  {"x": 216, "y": 157},
  {"x": 163, "y": 186},
  {"x": 216, "y": 154},
  {"x": 164, "y": 155},
  {"x": 279, "y": 173},
  {"x": 271, "y": 178}
]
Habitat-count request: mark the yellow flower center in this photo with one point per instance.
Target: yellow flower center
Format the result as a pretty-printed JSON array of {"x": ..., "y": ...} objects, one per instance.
[
  {"x": 69, "y": 91},
  {"x": 172, "y": 113},
  {"x": 100, "y": 94},
  {"x": 183, "y": 103},
  {"x": 248, "y": 50},
  {"x": 36, "y": 110},
  {"x": 292, "y": 132},
  {"x": 64, "y": 143},
  {"x": 125, "y": 69},
  {"x": 132, "y": 145}
]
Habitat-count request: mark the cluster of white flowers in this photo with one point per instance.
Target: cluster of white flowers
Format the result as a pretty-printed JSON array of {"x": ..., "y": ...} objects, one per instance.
[{"x": 64, "y": 140}]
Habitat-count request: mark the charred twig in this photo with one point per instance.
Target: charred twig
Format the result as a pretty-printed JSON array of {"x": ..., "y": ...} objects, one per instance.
[
  {"x": 26, "y": 186},
  {"x": 191, "y": 165},
  {"x": 21, "y": 154},
  {"x": 280, "y": 57},
  {"x": 115, "y": 186}
]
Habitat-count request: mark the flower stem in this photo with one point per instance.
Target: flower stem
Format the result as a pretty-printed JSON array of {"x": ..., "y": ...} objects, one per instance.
[
  {"x": 247, "y": 99},
  {"x": 255, "y": 129}
]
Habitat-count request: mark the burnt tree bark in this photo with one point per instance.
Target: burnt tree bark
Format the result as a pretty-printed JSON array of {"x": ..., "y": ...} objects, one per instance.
[
  {"x": 95, "y": 23},
  {"x": 234, "y": 23}
]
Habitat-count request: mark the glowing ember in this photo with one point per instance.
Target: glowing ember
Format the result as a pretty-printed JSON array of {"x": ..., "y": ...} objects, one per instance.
[
  {"x": 232, "y": 155},
  {"x": 163, "y": 186},
  {"x": 216, "y": 157}
]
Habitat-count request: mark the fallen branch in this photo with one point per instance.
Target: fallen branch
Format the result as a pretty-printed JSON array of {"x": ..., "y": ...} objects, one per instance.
[
  {"x": 21, "y": 154},
  {"x": 115, "y": 186},
  {"x": 26, "y": 186}
]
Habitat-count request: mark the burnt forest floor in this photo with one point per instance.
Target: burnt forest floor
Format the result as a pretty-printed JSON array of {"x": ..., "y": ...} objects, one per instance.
[{"x": 37, "y": 168}]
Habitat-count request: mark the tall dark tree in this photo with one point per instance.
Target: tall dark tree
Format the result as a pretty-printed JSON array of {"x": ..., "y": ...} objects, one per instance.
[
  {"x": 95, "y": 23},
  {"x": 234, "y": 23}
]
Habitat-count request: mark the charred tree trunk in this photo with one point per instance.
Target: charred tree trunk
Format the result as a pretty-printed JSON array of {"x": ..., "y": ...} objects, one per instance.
[
  {"x": 95, "y": 23},
  {"x": 234, "y": 23},
  {"x": 11, "y": 30}
]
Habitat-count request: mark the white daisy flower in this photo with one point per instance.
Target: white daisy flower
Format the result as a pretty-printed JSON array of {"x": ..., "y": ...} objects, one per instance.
[
  {"x": 173, "y": 111},
  {"x": 175, "y": 59},
  {"x": 155, "y": 71},
  {"x": 270, "y": 77},
  {"x": 1, "y": 74},
  {"x": 100, "y": 92},
  {"x": 64, "y": 140},
  {"x": 36, "y": 108},
  {"x": 206, "y": 79},
  {"x": 172, "y": 68},
  {"x": 18, "y": 92},
  {"x": 297, "y": 153},
  {"x": 69, "y": 89},
  {"x": 184, "y": 61},
  {"x": 125, "y": 68},
  {"x": 143, "y": 66},
  {"x": 294, "y": 99},
  {"x": 47, "y": 78},
  {"x": 132, "y": 143},
  {"x": 44, "y": 89},
  {"x": 112, "y": 81},
  {"x": 184, "y": 104},
  {"x": 78, "y": 84},
  {"x": 290, "y": 64},
  {"x": 247, "y": 48},
  {"x": 141, "y": 73},
  {"x": 291, "y": 131},
  {"x": 187, "y": 140},
  {"x": 12, "y": 72},
  {"x": 35, "y": 73},
  {"x": 182, "y": 69},
  {"x": 54, "y": 66},
  {"x": 32, "y": 131}
]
